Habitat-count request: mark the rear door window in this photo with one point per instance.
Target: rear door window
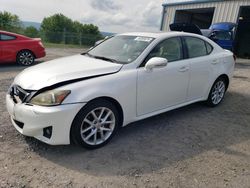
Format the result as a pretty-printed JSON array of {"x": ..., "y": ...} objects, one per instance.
[{"x": 196, "y": 47}]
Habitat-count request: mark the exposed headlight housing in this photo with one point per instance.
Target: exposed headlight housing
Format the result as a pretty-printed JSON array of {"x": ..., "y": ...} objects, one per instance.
[{"x": 50, "y": 98}]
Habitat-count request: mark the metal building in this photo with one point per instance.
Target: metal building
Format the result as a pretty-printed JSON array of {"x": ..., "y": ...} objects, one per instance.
[{"x": 206, "y": 12}]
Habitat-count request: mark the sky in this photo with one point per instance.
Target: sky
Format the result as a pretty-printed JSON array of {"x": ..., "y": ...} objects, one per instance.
[{"x": 109, "y": 15}]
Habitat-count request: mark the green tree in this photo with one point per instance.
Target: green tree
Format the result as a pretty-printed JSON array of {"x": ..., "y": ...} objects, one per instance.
[
  {"x": 87, "y": 34},
  {"x": 54, "y": 28},
  {"x": 86, "y": 28},
  {"x": 61, "y": 29},
  {"x": 10, "y": 22},
  {"x": 31, "y": 32}
]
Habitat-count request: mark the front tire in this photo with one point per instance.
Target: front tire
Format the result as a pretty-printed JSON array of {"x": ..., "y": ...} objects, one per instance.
[
  {"x": 25, "y": 58},
  {"x": 95, "y": 124},
  {"x": 217, "y": 92}
]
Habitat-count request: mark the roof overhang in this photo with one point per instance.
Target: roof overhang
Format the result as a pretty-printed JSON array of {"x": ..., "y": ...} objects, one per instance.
[{"x": 190, "y": 2}]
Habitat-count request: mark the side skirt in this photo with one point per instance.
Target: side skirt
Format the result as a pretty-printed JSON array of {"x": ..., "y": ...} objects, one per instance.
[{"x": 163, "y": 111}]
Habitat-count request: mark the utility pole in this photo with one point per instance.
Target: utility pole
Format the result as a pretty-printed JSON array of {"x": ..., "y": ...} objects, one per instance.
[
  {"x": 64, "y": 35},
  {"x": 80, "y": 38}
]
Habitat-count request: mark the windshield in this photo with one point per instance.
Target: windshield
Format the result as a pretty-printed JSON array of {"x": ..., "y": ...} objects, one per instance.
[{"x": 121, "y": 49}]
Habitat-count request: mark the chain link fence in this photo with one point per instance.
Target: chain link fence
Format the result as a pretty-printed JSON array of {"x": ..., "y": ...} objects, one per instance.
[{"x": 80, "y": 39}]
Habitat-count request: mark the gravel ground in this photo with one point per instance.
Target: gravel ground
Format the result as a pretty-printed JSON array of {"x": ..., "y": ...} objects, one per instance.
[{"x": 194, "y": 146}]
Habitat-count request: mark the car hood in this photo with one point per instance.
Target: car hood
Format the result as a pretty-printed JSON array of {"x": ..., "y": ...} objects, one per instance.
[{"x": 62, "y": 70}]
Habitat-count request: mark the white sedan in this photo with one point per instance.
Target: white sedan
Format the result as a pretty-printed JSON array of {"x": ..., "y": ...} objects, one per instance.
[{"x": 87, "y": 97}]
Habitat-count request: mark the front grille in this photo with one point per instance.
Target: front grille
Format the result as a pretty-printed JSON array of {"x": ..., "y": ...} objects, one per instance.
[
  {"x": 18, "y": 94},
  {"x": 19, "y": 124}
]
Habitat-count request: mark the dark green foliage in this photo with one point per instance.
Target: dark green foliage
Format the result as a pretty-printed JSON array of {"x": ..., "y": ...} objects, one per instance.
[
  {"x": 60, "y": 29},
  {"x": 54, "y": 29},
  {"x": 10, "y": 22},
  {"x": 31, "y": 32}
]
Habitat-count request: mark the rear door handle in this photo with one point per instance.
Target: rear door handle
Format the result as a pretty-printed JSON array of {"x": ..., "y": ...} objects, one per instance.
[
  {"x": 184, "y": 69},
  {"x": 215, "y": 61}
]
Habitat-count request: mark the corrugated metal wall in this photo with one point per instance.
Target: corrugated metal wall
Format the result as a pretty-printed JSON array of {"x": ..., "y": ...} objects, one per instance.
[{"x": 226, "y": 11}]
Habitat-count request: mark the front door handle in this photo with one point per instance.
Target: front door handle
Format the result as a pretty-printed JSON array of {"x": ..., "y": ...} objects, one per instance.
[{"x": 184, "y": 69}]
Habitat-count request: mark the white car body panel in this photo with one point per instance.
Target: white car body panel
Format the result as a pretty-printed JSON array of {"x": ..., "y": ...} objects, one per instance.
[
  {"x": 139, "y": 92},
  {"x": 200, "y": 73},
  {"x": 174, "y": 84}
]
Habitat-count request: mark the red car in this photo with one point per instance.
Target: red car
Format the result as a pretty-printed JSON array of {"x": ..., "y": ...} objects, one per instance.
[{"x": 19, "y": 48}]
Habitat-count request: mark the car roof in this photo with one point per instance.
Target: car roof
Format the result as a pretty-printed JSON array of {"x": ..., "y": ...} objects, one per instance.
[
  {"x": 13, "y": 34},
  {"x": 161, "y": 34}
]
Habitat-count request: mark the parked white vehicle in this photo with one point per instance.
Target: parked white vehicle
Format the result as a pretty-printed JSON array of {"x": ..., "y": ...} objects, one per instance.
[{"x": 86, "y": 98}]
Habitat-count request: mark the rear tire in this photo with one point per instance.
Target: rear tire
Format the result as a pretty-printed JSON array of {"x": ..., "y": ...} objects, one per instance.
[
  {"x": 217, "y": 92},
  {"x": 95, "y": 124},
  {"x": 25, "y": 58}
]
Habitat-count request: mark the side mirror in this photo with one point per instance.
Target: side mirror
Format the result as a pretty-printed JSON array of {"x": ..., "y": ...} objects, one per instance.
[{"x": 156, "y": 62}]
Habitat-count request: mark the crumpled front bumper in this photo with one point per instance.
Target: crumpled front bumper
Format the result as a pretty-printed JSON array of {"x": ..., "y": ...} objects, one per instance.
[{"x": 31, "y": 120}]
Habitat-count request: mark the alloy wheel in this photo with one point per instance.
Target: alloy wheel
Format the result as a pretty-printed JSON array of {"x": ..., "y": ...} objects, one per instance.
[
  {"x": 218, "y": 92},
  {"x": 26, "y": 58},
  {"x": 98, "y": 126}
]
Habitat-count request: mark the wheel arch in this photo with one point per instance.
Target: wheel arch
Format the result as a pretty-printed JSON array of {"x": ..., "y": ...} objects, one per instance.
[
  {"x": 110, "y": 99},
  {"x": 226, "y": 78},
  {"x": 115, "y": 102},
  {"x": 223, "y": 76}
]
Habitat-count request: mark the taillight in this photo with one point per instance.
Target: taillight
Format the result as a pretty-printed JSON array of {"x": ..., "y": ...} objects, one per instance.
[{"x": 40, "y": 43}]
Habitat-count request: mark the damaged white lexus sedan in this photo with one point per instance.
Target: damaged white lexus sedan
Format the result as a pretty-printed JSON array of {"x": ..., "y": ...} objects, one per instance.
[{"x": 87, "y": 97}]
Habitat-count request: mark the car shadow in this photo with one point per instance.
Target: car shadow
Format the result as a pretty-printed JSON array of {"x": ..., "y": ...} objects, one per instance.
[
  {"x": 10, "y": 67},
  {"x": 158, "y": 142},
  {"x": 242, "y": 65}
]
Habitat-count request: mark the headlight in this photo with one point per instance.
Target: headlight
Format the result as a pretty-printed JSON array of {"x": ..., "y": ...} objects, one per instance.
[{"x": 50, "y": 98}]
